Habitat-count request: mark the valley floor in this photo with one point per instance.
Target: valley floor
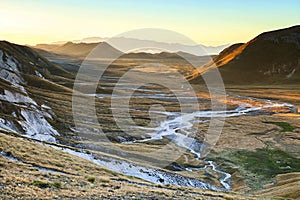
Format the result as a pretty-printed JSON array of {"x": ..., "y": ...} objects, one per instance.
[
  {"x": 31, "y": 170},
  {"x": 260, "y": 150}
]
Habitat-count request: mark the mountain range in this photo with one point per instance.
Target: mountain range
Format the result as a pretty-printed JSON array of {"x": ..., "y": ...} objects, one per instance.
[
  {"x": 81, "y": 50},
  {"x": 127, "y": 45}
]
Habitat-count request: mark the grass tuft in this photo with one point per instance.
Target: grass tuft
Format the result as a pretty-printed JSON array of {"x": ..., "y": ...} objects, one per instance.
[
  {"x": 91, "y": 179},
  {"x": 41, "y": 184},
  {"x": 286, "y": 127},
  {"x": 57, "y": 185}
]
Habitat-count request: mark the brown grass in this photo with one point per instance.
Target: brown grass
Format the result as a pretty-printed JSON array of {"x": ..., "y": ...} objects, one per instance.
[{"x": 22, "y": 180}]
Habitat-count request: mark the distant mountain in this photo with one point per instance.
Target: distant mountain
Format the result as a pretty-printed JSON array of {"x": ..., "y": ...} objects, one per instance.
[
  {"x": 84, "y": 40},
  {"x": 127, "y": 44},
  {"x": 77, "y": 51},
  {"x": 81, "y": 49},
  {"x": 161, "y": 55},
  {"x": 90, "y": 40},
  {"x": 133, "y": 45},
  {"x": 271, "y": 57}
]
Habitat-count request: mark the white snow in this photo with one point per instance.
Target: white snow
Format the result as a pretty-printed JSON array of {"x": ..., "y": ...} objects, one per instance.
[
  {"x": 45, "y": 107},
  {"x": 37, "y": 127},
  {"x": 148, "y": 174},
  {"x": 39, "y": 74},
  {"x": 33, "y": 122},
  {"x": 15, "y": 97},
  {"x": 268, "y": 72},
  {"x": 42, "y": 169},
  {"x": 10, "y": 63},
  {"x": 12, "y": 158},
  {"x": 7, "y": 125},
  {"x": 10, "y": 72},
  {"x": 9, "y": 76}
]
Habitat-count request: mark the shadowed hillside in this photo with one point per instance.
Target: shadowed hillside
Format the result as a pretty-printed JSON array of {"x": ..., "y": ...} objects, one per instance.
[{"x": 271, "y": 57}]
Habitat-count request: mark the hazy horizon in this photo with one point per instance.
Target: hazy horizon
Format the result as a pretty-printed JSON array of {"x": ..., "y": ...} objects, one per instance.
[{"x": 30, "y": 22}]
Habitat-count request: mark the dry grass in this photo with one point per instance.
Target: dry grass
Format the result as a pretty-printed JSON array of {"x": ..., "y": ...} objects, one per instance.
[
  {"x": 285, "y": 185},
  {"x": 283, "y": 93},
  {"x": 76, "y": 178},
  {"x": 250, "y": 132}
]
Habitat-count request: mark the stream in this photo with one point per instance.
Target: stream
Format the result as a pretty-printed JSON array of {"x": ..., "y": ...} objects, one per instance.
[
  {"x": 177, "y": 127},
  {"x": 169, "y": 128}
]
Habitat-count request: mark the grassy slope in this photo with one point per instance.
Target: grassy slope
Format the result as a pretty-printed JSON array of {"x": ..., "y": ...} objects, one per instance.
[
  {"x": 269, "y": 58},
  {"x": 74, "y": 177},
  {"x": 26, "y": 56},
  {"x": 55, "y": 185},
  {"x": 271, "y": 166}
]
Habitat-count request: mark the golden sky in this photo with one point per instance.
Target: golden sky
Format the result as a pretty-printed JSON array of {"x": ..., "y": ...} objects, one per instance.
[{"x": 214, "y": 22}]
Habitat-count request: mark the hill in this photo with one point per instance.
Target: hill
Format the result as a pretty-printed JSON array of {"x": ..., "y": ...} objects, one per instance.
[
  {"x": 271, "y": 57},
  {"x": 23, "y": 71},
  {"x": 81, "y": 50}
]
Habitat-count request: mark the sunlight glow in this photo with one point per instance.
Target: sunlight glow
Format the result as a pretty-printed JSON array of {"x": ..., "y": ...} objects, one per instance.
[{"x": 31, "y": 22}]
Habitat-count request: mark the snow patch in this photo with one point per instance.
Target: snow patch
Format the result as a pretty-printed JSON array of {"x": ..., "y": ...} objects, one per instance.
[
  {"x": 36, "y": 126},
  {"x": 9, "y": 76},
  {"x": 145, "y": 173},
  {"x": 10, "y": 63},
  {"x": 8, "y": 125},
  {"x": 39, "y": 74},
  {"x": 33, "y": 122},
  {"x": 9, "y": 71},
  {"x": 45, "y": 107},
  {"x": 9, "y": 157},
  {"x": 16, "y": 98}
]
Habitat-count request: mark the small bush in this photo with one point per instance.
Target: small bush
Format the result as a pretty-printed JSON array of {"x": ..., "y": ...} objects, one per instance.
[
  {"x": 104, "y": 180},
  {"x": 59, "y": 165},
  {"x": 91, "y": 179},
  {"x": 25, "y": 155},
  {"x": 286, "y": 127},
  {"x": 41, "y": 184},
  {"x": 57, "y": 185}
]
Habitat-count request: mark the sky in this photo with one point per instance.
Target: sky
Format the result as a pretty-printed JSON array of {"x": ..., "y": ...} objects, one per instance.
[{"x": 209, "y": 22}]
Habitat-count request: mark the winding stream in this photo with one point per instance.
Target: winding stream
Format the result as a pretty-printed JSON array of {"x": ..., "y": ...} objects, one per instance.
[
  {"x": 169, "y": 128},
  {"x": 177, "y": 127},
  {"x": 176, "y": 124}
]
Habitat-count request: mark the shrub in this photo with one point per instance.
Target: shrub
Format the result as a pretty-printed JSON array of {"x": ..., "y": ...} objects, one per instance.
[
  {"x": 91, "y": 179},
  {"x": 41, "y": 184},
  {"x": 104, "y": 180},
  {"x": 57, "y": 185}
]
